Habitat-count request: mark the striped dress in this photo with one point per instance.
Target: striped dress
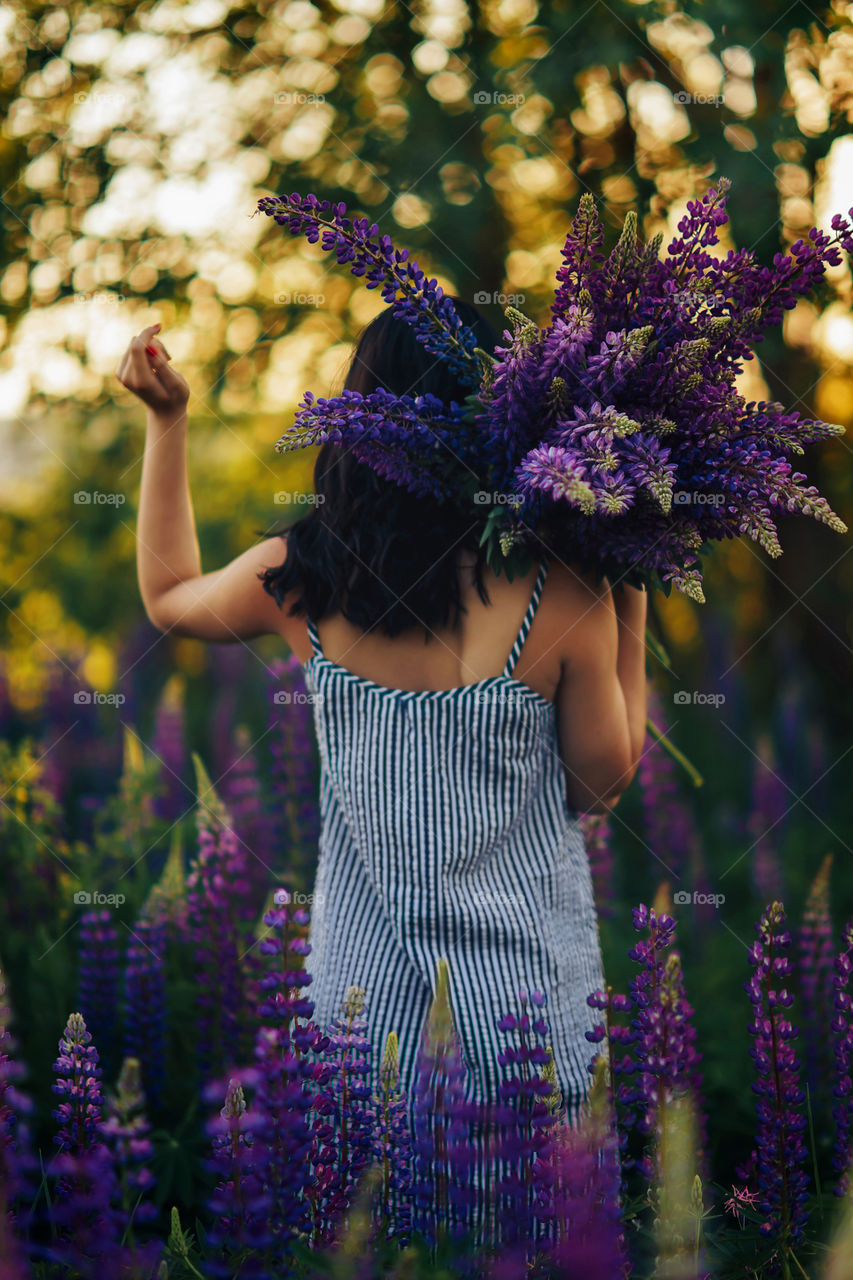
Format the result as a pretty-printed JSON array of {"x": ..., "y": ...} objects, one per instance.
[{"x": 446, "y": 832}]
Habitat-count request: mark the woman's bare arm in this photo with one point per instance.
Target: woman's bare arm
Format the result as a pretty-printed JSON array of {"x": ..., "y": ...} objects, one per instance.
[
  {"x": 227, "y": 605},
  {"x": 630, "y": 604}
]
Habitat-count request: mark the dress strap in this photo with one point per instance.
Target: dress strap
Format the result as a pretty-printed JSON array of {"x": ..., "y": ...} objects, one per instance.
[
  {"x": 528, "y": 618},
  {"x": 314, "y": 638}
]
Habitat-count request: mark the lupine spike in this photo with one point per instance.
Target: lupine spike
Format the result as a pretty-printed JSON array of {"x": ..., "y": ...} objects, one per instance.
[
  {"x": 780, "y": 1152},
  {"x": 167, "y": 899},
  {"x": 816, "y": 955},
  {"x": 145, "y": 1003},
  {"x": 393, "y": 1147},
  {"x": 125, "y": 1131},
  {"x": 169, "y": 746},
  {"x": 841, "y": 1028},
  {"x": 98, "y": 980}
]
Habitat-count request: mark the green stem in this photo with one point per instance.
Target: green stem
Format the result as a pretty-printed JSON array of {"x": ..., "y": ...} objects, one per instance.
[{"x": 678, "y": 756}]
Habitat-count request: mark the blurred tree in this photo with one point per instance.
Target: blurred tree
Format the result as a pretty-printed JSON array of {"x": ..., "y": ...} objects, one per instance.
[{"x": 138, "y": 137}]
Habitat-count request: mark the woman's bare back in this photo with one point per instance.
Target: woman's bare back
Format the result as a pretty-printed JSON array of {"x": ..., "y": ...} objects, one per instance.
[{"x": 446, "y": 658}]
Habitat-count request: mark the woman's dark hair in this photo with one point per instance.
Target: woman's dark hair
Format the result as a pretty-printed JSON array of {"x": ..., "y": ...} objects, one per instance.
[{"x": 370, "y": 549}]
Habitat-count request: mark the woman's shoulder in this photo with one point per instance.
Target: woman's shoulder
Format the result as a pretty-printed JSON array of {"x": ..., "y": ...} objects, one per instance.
[
  {"x": 575, "y": 585},
  {"x": 576, "y": 609}
]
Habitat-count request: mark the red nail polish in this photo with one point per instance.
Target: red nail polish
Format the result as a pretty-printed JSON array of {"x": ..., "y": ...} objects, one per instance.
[{"x": 151, "y": 351}]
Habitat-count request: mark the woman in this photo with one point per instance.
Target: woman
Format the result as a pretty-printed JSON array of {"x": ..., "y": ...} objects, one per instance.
[{"x": 463, "y": 722}]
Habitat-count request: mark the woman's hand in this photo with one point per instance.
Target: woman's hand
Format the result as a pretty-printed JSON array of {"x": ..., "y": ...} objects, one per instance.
[{"x": 145, "y": 370}]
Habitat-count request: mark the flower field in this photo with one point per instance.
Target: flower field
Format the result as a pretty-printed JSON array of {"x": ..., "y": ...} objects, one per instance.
[{"x": 168, "y": 1107}]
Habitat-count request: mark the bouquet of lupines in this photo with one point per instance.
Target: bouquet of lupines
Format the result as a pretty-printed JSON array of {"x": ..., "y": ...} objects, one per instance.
[{"x": 615, "y": 434}]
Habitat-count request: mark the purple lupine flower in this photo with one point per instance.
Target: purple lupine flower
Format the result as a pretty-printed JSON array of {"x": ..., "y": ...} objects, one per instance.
[
  {"x": 291, "y": 1082},
  {"x": 664, "y": 1048},
  {"x": 766, "y": 823},
  {"x": 220, "y": 922},
  {"x": 411, "y": 440},
  {"x": 523, "y": 1120},
  {"x": 169, "y": 746},
  {"x": 780, "y": 1152},
  {"x": 516, "y": 394},
  {"x": 83, "y": 1214},
  {"x": 241, "y": 791},
  {"x": 98, "y": 980},
  {"x": 349, "y": 1055},
  {"x": 618, "y": 431},
  {"x": 86, "y": 1227},
  {"x": 841, "y": 1027},
  {"x": 295, "y": 789},
  {"x": 816, "y": 972},
  {"x": 393, "y": 1146},
  {"x": 17, "y": 1164},
  {"x": 79, "y": 1084},
  {"x": 124, "y": 1132},
  {"x": 445, "y": 1127},
  {"x": 598, "y": 837},
  {"x": 417, "y": 300},
  {"x": 239, "y": 1236},
  {"x": 145, "y": 1003},
  {"x": 582, "y": 258},
  {"x": 622, "y": 1072},
  {"x": 587, "y": 1238}
]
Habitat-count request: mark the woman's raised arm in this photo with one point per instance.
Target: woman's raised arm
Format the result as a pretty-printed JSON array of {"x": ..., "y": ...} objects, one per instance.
[{"x": 229, "y": 604}]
